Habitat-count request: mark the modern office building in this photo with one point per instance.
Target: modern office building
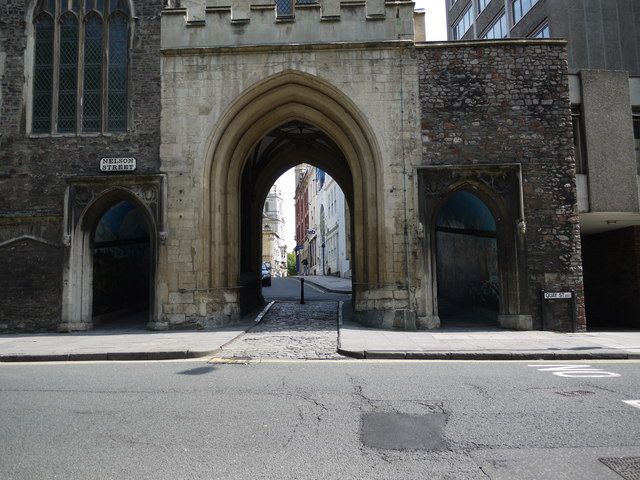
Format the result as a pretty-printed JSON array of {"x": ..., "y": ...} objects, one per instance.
[{"x": 604, "y": 77}]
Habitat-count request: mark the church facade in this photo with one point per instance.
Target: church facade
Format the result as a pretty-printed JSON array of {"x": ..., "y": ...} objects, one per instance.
[{"x": 139, "y": 141}]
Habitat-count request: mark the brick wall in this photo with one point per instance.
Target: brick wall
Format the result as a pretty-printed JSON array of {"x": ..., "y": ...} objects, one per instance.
[{"x": 508, "y": 102}]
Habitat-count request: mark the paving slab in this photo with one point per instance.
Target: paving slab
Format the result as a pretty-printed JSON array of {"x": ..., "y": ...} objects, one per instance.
[
  {"x": 485, "y": 344},
  {"x": 329, "y": 283},
  {"x": 132, "y": 344}
]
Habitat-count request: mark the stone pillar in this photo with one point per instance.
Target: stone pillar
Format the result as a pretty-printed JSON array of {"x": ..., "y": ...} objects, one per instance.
[{"x": 611, "y": 163}]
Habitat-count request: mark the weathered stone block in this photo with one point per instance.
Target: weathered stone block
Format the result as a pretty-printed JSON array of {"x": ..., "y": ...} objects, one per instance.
[{"x": 181, "y": 297}]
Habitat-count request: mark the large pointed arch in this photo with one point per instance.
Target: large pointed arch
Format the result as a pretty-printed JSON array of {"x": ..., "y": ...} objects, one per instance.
[{"x": 285, "y": 97}]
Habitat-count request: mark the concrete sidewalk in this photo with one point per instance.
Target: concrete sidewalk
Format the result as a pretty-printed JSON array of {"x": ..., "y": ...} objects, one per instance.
[
  {"x": 486, "y": 344},
  {"x": 132, "y": 344},
  {"x": 329, "y": 283}
]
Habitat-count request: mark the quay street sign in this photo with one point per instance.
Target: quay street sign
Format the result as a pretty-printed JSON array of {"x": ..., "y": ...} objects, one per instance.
[
  {"x": 557, "y": 295},
  {"x": 117, "y": 164}
]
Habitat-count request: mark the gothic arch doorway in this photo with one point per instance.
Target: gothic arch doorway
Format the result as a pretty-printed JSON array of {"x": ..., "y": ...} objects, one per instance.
[
  {"x": 342, "y": 143},
  {"x": 485, "y": 202},
  {"x": 284, "y": 147},
  {"x": 111, "y": 231}
]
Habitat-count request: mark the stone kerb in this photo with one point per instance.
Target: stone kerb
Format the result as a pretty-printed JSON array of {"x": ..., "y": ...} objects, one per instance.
[{"x": 243, "y": 22}]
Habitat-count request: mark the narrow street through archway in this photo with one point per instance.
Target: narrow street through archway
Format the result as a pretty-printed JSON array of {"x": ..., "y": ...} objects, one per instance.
[{"x": 291, "y": 330}]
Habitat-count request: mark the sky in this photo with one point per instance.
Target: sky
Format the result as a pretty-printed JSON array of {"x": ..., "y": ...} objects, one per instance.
[{"x": 436, "y": 29}]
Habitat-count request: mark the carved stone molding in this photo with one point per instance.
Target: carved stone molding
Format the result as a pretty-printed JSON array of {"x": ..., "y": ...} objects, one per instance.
[
  {"x": 83, "y": 192},
  {"x": 499, "y": 179}
]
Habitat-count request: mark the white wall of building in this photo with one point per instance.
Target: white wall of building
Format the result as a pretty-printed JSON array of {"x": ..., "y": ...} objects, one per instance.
[
  {"x": 328, "y": 205},
  {"x": 274, "y": 246}
]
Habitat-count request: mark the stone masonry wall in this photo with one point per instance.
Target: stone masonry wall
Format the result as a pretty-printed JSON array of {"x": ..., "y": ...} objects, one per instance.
[
  {"x": 508, "y": 102},
  {"x": 34, "y": 168},
  {"x": 197, "y": 89}
]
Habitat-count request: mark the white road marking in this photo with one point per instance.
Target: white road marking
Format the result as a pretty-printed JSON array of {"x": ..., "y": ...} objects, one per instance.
[
  {"x": 633, "y": 403},
  {"x": 575, "y": 371},
  {"x": 311, "y": 286}
]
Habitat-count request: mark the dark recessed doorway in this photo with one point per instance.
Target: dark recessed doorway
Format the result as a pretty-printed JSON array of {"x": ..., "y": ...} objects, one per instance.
[{"x": 121, "y": 266}]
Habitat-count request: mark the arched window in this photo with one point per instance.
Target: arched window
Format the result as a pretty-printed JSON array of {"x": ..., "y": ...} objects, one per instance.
[
  {"x": 81, "y": 86},
  {"x": 43, "y": 69}
]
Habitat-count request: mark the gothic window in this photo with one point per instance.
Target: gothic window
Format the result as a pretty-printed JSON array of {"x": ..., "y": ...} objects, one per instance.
[
  {"x": 68, "y": 79},
  {"x": 92, "y": 98},
  {"x": 80, "y": 66},
  {"x": 43, "y": 72}
]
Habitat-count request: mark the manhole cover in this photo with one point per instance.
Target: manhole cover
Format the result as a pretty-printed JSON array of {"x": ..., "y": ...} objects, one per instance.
[
  {"x": 627, "y": 467},
  {"x": 398, "y": 431}
]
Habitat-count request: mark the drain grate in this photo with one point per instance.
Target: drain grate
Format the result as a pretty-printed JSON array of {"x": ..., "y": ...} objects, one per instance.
[
  {"x": 627, "y": 467},
  {"x": 399, "y": 431}
]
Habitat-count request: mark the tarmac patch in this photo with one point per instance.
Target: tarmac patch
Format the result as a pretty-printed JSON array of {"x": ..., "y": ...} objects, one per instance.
[{"x": 399, "y": 431}]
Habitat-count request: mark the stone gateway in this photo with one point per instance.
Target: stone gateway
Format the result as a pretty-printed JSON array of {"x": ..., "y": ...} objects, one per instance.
[{"x": 456, "y": 160}]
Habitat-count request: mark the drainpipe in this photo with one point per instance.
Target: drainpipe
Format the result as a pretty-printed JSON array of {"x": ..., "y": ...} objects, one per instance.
[{"x": 404, "y": 187}]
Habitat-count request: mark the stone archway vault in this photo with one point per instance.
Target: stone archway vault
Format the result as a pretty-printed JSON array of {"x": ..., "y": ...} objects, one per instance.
[{"x": 289, "y": 96}]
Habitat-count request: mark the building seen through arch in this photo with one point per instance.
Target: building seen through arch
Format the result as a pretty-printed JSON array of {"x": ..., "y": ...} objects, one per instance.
[
  {"x": 323, "y": 224},
  {"x": 274, "y": 246}
]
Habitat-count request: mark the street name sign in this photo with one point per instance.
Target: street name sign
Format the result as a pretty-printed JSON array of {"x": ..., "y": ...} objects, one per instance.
[
  {"x": 557, "y": 295},
  {"x": 117, "y": 164}
]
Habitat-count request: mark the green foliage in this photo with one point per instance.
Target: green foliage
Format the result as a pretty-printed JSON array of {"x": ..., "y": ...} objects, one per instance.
[{"x": 291, "y": 264}]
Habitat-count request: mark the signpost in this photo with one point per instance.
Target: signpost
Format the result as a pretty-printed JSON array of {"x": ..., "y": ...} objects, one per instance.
[{"x": 117, "y": 164}]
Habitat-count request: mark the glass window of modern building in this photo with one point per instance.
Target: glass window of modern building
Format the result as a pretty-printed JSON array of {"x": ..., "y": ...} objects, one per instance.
[
  {"x": 636, "y": 134},
  {"x": 578, "y": 139},
  {"x": 542, "y": 31},
  {"x": 520, "y": 8},
  {"x": 464, "y": 22},
  {"x": 498, "y": 29},
  {"x": 482, "y": 4}
]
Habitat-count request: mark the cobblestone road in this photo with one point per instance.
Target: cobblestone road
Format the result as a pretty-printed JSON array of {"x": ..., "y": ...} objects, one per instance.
[{"x": 291, "y": 330}]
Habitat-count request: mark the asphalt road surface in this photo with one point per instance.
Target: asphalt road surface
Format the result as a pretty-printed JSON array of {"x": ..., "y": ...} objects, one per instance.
[
  {"x": 326, "y": 419},
  {"x": 286, "y": 288}
]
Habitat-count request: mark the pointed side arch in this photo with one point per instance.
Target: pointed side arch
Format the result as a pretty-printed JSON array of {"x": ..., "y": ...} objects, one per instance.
[
  {"x": 285, "y": 97},
  {"x": 498, "y": 187},
  {"x": 87, "y": 204}
]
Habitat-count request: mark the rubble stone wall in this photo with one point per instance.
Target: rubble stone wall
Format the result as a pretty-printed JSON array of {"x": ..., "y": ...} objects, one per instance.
[{"x": 508, "y": 103}]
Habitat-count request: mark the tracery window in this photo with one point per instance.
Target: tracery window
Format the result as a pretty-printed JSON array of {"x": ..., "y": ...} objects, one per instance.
[{"x": 80, "y": 66}]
